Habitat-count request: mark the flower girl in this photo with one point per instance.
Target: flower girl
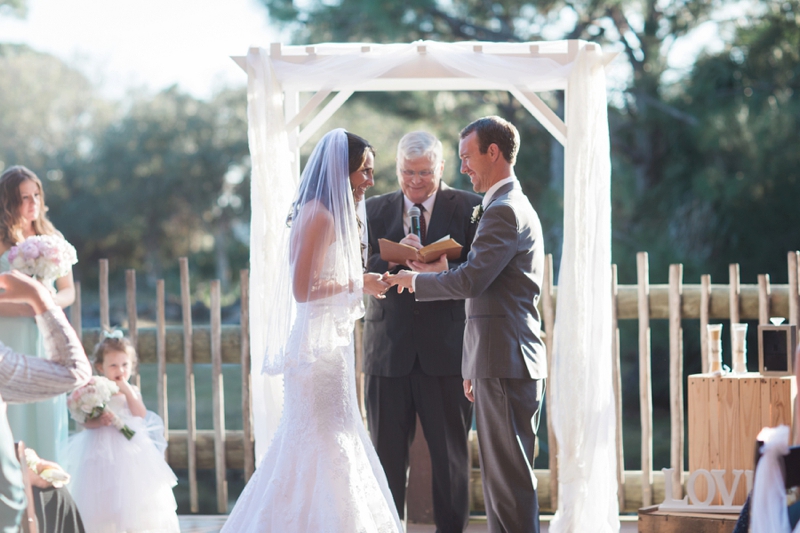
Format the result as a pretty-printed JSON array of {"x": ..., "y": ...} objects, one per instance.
[{"x": 120, "y": 480}]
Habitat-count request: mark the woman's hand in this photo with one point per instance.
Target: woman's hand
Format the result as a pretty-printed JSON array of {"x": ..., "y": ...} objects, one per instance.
[
  {"x": 374, "y": 285},
  {"x": 18, "y": 288}
]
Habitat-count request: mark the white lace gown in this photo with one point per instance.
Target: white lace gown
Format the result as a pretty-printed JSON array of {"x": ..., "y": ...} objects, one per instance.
[
  {"x": 121, "y": 485},
  {"x": 321, "y": 473}
]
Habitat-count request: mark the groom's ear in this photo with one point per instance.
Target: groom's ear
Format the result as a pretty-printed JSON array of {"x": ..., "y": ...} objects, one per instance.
[{"x": 494, "y": 152}]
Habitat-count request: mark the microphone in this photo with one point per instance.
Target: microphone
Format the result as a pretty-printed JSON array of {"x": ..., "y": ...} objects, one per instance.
[{"x": 414, "y": 214}]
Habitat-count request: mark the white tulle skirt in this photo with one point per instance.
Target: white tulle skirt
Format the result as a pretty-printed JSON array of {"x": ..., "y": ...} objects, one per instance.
[
  {"x": 321, "y": 473},
  {"x": 122, "y": 485}
]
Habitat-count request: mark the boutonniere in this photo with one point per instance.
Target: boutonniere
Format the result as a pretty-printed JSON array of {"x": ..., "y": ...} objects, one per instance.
[{"x": 477, "y": 213}]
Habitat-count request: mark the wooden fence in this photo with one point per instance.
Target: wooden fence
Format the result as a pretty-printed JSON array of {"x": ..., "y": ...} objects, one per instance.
[{"x": 220, "y": 449}]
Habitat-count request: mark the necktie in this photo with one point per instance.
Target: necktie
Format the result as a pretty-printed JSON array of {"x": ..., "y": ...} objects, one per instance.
[{"x": 423, "y": 226}]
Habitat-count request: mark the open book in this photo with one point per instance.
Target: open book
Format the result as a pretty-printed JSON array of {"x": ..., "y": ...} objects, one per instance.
[{"x": 394, "y": 252}]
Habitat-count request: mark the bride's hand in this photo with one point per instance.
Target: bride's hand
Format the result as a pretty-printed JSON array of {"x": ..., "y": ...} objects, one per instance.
[{"x": 374, "y": 285}]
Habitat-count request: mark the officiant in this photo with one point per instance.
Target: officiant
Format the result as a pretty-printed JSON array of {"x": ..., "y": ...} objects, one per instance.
[{"x": 412, "y": 350}]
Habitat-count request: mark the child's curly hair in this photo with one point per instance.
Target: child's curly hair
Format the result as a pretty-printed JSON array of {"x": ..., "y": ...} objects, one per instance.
[{"x": 113, "y": 341}]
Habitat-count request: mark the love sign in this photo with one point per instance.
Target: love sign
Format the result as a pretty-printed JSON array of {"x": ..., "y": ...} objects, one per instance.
[{"x": 715, "y": 483}]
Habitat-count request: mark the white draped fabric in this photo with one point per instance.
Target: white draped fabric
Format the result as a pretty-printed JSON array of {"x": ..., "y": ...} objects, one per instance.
[
  {"x": 768, "y": 499},
  {"x": 581, "y": 377},
  {"x": 583, "y": 399}
]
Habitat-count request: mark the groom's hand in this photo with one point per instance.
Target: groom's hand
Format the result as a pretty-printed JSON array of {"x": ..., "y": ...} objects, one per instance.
[
  {"x": 468, "y": 390},
  {"x": 403, "y": 280}
]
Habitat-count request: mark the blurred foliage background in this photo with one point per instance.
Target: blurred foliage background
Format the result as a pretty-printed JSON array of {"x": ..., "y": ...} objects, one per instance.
[{"x": 706, "y": 165}]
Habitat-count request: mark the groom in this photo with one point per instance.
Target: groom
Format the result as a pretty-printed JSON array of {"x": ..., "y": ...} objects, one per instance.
[{"x": 504, "y": 358}]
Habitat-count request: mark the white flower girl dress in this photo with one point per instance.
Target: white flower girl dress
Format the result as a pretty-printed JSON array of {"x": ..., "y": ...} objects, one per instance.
[{"x": 122, "y": 485}]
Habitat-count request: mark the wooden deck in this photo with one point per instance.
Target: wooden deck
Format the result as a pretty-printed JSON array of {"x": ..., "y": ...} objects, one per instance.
[{"x": 213, "y": 523}]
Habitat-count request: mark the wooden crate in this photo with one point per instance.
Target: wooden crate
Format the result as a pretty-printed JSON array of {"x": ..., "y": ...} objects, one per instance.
[
  {"x": 725, "y": 415},
  {"x": 651, "y": 520}
]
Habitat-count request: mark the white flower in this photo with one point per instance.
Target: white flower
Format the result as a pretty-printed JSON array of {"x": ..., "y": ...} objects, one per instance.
[
  {"x": 46, "y": 257},
  {"x": 477, "y": 213}
]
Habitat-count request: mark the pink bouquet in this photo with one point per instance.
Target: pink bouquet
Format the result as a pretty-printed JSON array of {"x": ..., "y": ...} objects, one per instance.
[
  {"x": 45, "y": 257},
  {"x": 91, "y": 401}
]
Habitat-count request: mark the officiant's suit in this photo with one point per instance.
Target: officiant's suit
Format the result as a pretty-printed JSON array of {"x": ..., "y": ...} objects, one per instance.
[
  {"x": 503, "y": 352},
  {"x": 412, "y": 362}
]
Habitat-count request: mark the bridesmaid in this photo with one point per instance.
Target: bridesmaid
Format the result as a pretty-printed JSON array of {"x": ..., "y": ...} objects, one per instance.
[{"x": 42, "y": 425}]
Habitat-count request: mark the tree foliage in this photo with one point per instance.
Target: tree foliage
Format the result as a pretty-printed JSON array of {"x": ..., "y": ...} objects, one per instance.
[{"x": 141, "y": 183}]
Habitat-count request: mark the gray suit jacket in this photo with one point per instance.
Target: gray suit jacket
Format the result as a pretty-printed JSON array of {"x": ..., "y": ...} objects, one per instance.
[{"x": 501, "y": 281}]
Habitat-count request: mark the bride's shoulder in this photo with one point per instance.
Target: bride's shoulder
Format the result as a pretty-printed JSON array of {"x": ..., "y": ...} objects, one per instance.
[{"x": 314, "y": 215}]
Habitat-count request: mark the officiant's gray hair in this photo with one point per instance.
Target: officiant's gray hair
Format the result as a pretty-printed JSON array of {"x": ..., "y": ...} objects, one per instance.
[{"x": 420, "y": 144}]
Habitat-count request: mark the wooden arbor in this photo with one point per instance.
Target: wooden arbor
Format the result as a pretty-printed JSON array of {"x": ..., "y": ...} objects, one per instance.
[{"x": 277, "y": 77}]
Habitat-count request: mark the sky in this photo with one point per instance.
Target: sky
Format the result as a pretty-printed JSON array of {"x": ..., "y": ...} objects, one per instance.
[
  {"x": 153, "y": 44},
  {"x": 150, "y": 44}
]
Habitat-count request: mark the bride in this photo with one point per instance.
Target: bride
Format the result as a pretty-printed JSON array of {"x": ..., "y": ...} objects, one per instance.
[{"x": 321, "y": 473}]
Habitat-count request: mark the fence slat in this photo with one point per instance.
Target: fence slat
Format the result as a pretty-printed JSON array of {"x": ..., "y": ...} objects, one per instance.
[
  {"x": 676, "y": 378},
  {"x": 105, "y": 320},
  {"x": 733, "y": 300},
  {"x": 645, "y": 388},
  {"x": 763, "y": 299},
  {"x": 793, "y": 259},
  {"x": 616, "y": 379},
  {"x": 247, "y": 406},
  {"x": 161, "y": 356},
  {"x": 705, "y": 309},
  {"x": 218, "y": 398},
  {"x": 549, "y": 316},
  {"x": 191, "y": 407},
  {"x": 133, "y": 319},
  {"x": 75, "y": 316}
]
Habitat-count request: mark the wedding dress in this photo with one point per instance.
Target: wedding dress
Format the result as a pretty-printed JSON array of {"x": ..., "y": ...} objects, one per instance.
[{"x": 321, "y": 473}]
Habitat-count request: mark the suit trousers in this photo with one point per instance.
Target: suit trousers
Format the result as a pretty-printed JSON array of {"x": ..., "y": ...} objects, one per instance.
[
  {"x": 506, "y": 414},
  {"x": 446, "y": 418}
]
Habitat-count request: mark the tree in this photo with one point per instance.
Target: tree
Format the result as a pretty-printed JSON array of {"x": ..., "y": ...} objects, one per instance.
[{"x": 163, "y": 181}]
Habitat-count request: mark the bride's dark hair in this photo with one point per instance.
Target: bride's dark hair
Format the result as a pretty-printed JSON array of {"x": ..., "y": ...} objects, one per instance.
[
  {"x": 317, "y": 188},
  {"x": 357, "y": 150}
]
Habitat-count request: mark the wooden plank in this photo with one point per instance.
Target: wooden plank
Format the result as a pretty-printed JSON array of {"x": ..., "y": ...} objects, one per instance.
[
  {"x": 782, "y": 394},
  {"x": 664, "y": 522},
  {"x": 201, "y": 343},
  {"x": 191, "y": 407},
  {"x": 616, "y": 379},
  {"x": 714, "y": 457},
  {"x": 750, "y": 419},
  {"x": 793, "y": 260},
  {"x": 691, "y": 301},
  {"x": 676, "y": 378},
  {"x": 161, "y": 357},
  {"x": 247, "y": 405},
  {"x": 177, "y": 453},
  {"x": 133, "y": 319},
  {"x": 645, "y": 390},
  {"x": 733, "y": 299},
  {"x": 729, "y": 428},
  {"x": 105, "y": 321},
  {"x": 705, "y": 308},
  {"x": 699, "y": 430},
  {"x": 218, "y": 399},
  {"x": 763, "y": 299},
  {"x": 549, "y": 317},
  {"x": 796, "y": 439},
  {"x": 75, "y": 310}
]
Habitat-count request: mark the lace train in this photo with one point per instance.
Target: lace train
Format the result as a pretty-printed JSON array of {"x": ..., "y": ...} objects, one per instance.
[{"x": 321, "y": 473}]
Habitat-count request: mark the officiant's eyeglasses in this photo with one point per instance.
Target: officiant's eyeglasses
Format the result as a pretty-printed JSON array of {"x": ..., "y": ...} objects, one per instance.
[{"x": 421, "y": 173}]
